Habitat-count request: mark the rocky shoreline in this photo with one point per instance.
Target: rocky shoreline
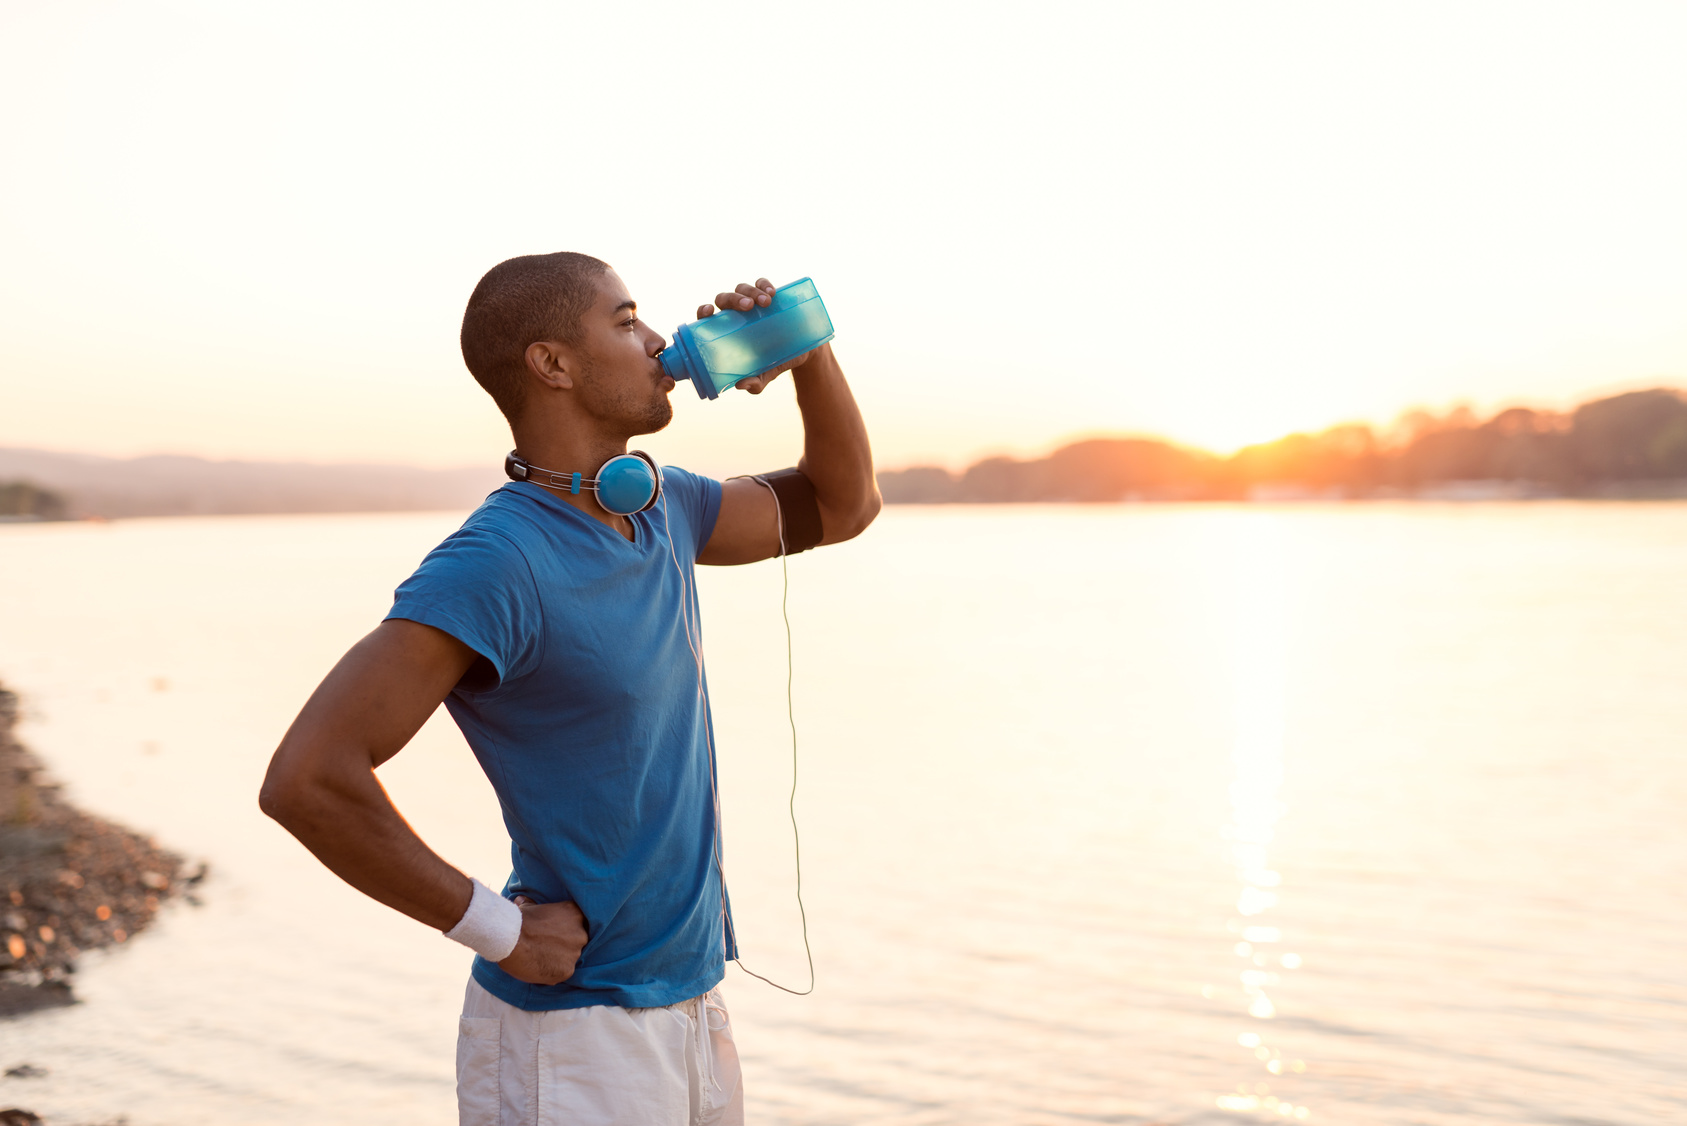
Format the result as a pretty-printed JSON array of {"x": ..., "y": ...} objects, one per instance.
[{"x": 69, "y": 881}]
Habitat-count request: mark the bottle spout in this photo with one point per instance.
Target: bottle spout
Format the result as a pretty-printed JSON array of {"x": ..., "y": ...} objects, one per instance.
[
  {"x": 673, "y": 364},
  {"x": 679, "y": 361}
]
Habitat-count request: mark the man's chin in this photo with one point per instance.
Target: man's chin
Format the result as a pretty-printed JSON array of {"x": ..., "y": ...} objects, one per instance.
[{"x": 658, "y": 418}]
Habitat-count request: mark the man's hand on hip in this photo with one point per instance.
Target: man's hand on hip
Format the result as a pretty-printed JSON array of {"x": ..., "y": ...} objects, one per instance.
[{"x": 552, "y": 936}]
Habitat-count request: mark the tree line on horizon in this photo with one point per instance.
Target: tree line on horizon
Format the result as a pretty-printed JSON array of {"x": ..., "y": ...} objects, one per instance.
[
  {"x": 28, "y": 500},
  {"x": 1632, "y": 444}
]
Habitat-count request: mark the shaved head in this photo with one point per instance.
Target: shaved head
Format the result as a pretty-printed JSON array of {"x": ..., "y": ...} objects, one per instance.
[{"x": 520, "y": 301}]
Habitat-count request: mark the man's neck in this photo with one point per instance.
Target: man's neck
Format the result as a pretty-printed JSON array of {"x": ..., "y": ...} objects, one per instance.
[{"x": 564, "y": 453}]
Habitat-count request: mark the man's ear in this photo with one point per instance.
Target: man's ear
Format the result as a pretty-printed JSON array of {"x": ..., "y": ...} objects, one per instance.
[{"x": 552, "y": 364}]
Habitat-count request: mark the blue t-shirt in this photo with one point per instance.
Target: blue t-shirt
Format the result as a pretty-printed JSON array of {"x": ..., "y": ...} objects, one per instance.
[{"x": 585, "y": 712}]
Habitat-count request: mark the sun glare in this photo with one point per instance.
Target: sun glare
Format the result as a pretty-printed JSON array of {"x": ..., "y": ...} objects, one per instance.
[{"x": 1262, "y": 593}]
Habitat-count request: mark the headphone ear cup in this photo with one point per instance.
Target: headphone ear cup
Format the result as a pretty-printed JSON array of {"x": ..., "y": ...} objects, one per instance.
[
  {"x": 656, "y": 473},
  {"x": 628, "y": 483}
]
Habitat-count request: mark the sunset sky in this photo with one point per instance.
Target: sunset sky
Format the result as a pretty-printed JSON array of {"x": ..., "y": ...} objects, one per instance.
[{"x": 249, "y": 230}]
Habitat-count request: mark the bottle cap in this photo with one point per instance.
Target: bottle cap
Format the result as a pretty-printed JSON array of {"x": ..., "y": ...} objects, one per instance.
[
  {"x": 673, "y": 362},
  {"x": 680, "y": 361}
]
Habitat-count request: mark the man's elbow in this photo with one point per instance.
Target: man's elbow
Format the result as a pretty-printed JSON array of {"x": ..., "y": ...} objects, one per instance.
[
  {"x": 276, "y": 799},
  {"x": 849, "y": 523},
  {"x": 285, "y": 796}
]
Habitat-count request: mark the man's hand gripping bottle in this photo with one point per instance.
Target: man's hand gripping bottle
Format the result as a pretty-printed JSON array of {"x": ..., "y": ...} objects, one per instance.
[{"x": 718, "y": 351}]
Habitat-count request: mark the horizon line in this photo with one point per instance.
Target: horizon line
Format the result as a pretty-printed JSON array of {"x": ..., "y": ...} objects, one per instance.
[{"x": 979, "y": 454}]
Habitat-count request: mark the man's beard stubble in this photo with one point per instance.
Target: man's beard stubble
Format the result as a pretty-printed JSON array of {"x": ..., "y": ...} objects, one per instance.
[
  {"x": 661, "y": 413},
  {"x": 627, "y": 411}
]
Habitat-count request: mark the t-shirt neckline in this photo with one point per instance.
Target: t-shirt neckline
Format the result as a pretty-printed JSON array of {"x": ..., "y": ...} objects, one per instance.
[{"x": 642, "y": 536}]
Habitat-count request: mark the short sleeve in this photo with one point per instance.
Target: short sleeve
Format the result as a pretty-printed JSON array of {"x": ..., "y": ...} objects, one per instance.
[
  {"x": 697, "y": 497},
  {"x": 477, "y": 586}
]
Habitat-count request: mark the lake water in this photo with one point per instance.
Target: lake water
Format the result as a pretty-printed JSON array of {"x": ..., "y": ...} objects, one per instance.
[{"x": 1355, "y": 814}]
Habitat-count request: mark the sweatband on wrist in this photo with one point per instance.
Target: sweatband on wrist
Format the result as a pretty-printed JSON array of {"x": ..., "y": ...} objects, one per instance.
[{"x": 490, "y": 927}]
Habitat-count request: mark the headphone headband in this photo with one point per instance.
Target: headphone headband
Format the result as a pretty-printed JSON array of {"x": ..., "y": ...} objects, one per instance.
[{"x": 625, "y": 484}]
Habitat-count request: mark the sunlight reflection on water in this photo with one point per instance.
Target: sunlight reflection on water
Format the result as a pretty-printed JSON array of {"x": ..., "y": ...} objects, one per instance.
[{"x": 1261, "y": 620}]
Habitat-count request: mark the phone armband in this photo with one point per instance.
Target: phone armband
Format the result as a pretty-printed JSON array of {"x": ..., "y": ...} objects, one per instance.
[{"x": 799, "y": 511}]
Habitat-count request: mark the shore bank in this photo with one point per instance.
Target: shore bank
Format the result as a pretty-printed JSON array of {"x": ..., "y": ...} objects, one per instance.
[{"x": 69, "y": 881}]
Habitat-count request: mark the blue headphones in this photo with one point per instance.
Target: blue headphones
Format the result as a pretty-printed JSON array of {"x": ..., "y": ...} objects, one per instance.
[{"x": 625, "y": 484}]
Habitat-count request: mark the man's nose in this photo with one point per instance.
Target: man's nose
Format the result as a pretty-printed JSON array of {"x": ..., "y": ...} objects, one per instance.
[{"x": 653, "y": 341}]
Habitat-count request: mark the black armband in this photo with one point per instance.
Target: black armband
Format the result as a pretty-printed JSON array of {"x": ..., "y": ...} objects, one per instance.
[{"x": 799, "y": 512}]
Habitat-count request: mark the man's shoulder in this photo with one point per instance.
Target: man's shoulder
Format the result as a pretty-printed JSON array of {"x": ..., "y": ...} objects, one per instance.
[
  {"x": 494, "y": 537},
  {"x": 479, "y": 587},
  {"x": 696, "y": 496},
  {"x": 504, "y": 512},
  {"x": 677, "y": 476}
]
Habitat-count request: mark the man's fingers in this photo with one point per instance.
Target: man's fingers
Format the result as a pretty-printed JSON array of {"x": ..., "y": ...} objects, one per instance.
[
  {"x": 756, "y": 294},
  {"x": 522, "y": 901},
  {"x": 743, "y": 298},
  {"x": 746, "y": 296},
  {"x": 756, "y": 384},
  {"x": 552, "y": 936}
]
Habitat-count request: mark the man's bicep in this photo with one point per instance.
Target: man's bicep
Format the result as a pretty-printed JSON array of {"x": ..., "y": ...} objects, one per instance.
[
  {"x": 382, "y": 691},
  {"x": 747, "y": 529}
]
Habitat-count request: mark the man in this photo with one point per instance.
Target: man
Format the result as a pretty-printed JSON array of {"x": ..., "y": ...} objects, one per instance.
[{"x": 562, "y": 636}]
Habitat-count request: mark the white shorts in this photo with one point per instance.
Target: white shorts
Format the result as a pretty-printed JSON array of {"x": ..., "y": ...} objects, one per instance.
[{"x": 598, "y": 1066}]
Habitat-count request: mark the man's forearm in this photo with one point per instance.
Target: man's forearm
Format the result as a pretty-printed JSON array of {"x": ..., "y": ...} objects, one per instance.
[
  {"x": 837, "y": 456},
  {"x": 347, "y": 822},
  {"x": 352, "y": 827}
]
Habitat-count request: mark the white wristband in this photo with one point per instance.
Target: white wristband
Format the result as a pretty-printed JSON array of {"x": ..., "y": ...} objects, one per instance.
[{"x": 490, "y": 927}]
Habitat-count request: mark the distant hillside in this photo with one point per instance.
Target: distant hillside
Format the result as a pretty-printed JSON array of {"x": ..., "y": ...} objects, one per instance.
[
  {"x": 84, "y": 485},
  {"x": 1632, "y": 445},
  {"x": 20, "y": 500}
]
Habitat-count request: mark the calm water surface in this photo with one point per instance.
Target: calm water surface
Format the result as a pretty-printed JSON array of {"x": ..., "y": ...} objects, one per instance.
[{"x": 1361, "y": 814}]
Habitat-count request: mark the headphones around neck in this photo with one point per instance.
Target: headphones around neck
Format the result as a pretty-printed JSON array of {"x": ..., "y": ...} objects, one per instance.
[{"x": 625, "y": 484}]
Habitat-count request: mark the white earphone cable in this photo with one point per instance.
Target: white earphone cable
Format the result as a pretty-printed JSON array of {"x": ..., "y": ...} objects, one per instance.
[
  {"x": 687, "y": 594},
  {"x": 791, "y": 716},
  {"x": 688, "y": 610}
]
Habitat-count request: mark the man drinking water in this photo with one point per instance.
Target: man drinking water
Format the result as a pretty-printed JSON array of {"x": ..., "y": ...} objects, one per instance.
[{"x": 559, "y": 628}]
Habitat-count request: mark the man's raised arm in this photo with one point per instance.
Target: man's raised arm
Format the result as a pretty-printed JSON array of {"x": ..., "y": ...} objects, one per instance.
[
  {"x": 837, "y": 457},
  {"x": 322, "y": 788}
]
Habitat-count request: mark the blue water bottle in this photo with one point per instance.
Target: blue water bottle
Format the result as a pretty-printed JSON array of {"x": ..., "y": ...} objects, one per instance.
[{"x": 718, "y": 351}]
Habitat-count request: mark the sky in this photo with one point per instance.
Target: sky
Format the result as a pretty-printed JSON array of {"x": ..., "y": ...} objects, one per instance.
[{"x": 248, "y": 231}]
